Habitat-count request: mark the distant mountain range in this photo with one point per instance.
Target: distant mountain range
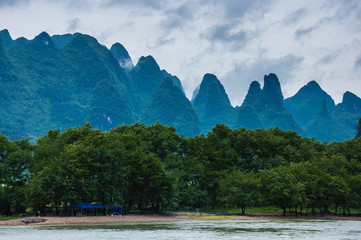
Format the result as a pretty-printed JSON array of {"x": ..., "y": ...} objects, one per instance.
[{"x": 67, "y": 80}]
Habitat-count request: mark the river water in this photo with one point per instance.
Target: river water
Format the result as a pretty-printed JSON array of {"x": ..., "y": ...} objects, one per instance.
[{"x": 210, "y": 230}]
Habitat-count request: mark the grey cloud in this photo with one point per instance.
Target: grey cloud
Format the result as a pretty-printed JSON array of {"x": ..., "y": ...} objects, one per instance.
[
  {"x": 302, "y": 32},
  {"x": 238, "y": 80},
  {"x": 226, "y": 34},
  {"x": 295, "y": 16},
  {"x": 329, "y": 58},
  {"x": 13, "y": 3},
  {"x": 159, "y": 4},
  {"x": 176, "y": 18},
  {"x": 357, "y": 63},
  {"x": 346, "y": 9},
  {"x": 161, "y": 42},
  {"x": 236, "y": 9},
  {"x": 73, "y": 25}
]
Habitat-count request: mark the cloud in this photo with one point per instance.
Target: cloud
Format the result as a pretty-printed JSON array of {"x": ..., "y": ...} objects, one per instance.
[
  {"x": 224, "y": 33},
  {"x": 161, "y": 42},
  {"x": 73, "y": 25},
  {"x": 237, "y": 9},
  {"x": 13, "y": 3},
  {"x": 329, "y": 58},
  {"x": 159, "y": 4},
  {"x": 302, "y": 32},
  {"x": 177, "y": 17},
  {"x": 346, "y": 9},
  {"x": 357, "y": 64},
  {"x": 237, "y": 81},
  {"x": 295, "y": 16}
]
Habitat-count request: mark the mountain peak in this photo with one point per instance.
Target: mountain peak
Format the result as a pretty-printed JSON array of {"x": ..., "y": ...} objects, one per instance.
[
  {"x": 210, "y": 78},
  {"x": 148, "y": 61},
  {"x": 351, "y": 102},
  {"x": 63, "y": 40},
  {"x": 43, "y": 39},
  {"x": 175, "y": 79},
  {"x": 272, "y": 87},
  {"x": 119, "y": 50},
  {"x": 6, "y": 38},
  {"x": 305, "y": 104},
  {"x": 313, "y": 84},
  {"x": 122, "y": 55},
  {"x": 253, "y": 92},
  {"x": 212, "y": 104}
]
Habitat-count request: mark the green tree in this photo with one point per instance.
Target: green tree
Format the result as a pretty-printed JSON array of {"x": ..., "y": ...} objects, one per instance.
[{"x": 241, "y": 190}]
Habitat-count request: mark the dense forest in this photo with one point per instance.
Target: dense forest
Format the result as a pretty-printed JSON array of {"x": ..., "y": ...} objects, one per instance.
[{"x": 138, "y": 166}]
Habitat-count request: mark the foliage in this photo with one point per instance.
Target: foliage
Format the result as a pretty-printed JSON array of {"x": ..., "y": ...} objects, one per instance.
[{"x": 140, "y": 166}]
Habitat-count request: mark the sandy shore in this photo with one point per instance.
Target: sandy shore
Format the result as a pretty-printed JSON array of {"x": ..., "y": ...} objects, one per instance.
[{"x": 174, "y": 217}]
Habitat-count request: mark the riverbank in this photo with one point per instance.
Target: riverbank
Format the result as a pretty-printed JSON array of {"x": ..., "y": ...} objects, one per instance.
[{"x": 172, "y": 217}]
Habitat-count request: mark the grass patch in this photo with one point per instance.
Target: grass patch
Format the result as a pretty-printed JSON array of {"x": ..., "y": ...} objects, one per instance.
[{"x": 8, "y": 218}]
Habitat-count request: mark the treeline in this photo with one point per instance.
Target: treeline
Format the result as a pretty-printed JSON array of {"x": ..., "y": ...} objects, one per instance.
[{"x": 138, "y": 166}]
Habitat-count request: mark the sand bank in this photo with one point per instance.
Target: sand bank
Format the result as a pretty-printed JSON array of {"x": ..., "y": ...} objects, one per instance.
[{"x": 173, "y": 217}]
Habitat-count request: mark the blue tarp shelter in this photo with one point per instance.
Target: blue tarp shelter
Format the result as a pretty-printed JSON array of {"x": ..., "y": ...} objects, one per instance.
[{"x": 85, "y": 205}]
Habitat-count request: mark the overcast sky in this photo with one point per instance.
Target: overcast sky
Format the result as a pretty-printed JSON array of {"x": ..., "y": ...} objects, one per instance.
[{"x": 237, "y": 40}]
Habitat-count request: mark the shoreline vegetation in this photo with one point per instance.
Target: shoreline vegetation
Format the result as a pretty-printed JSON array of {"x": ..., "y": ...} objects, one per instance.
[
  {"x": 174, "y": 216},
  {"x": 153, "y": 169}
]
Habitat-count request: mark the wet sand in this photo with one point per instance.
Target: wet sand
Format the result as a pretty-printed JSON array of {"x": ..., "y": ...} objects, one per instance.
[{"x": 173, "y": 217}]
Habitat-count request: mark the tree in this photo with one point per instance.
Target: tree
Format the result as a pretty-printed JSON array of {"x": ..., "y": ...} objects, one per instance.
[{"x": 241, "y": 190}]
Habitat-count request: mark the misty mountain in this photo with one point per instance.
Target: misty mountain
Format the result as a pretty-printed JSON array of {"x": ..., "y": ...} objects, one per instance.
[
  {"x": 264, "y": 108},
  {"x": 169, "y": 106},
  {"x": 305, "y": 104},
  {"x": 324, "y": 126},
  {"x": 61, "y": 81},
  {"x": 211, "y": 103}
]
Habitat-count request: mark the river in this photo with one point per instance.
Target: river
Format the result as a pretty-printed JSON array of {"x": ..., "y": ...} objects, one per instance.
[{"x": 210, "y": 230}]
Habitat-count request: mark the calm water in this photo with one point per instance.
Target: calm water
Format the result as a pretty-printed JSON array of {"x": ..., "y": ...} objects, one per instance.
[{"x": 232, "y": 229}]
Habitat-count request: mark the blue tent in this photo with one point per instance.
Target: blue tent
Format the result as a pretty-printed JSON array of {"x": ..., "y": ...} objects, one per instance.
[
  {"x": 85, "y": 205},
  {"x": 82, "y": 205}
]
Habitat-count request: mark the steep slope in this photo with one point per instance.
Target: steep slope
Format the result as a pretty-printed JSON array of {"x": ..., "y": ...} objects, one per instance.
[
  {"x": 212, "y": 104},
  {"x": 169, "y": 106},
  {"x": 37, "y": 65},
  {"x": 108, "y": 108},
  {"x": 11, "y": 94},
  {"x": 305, "y": 104},
  {"x": 147, "y": 77},
  {"x": 122, "y": 55},
  {"x": 91, "y": 62},
  {"x": 57, "y": 86},
  {"x": 324, "y": 127},
  {"x": 6, "y": 38},
  {"x": 175, "y": 79},
  {"x": 264, "y": 108},
  {"x": 347, "y": 113}
]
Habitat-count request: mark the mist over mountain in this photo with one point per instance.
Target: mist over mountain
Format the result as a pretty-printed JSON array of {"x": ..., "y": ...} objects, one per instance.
[{"x": 67, "y": 80}]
